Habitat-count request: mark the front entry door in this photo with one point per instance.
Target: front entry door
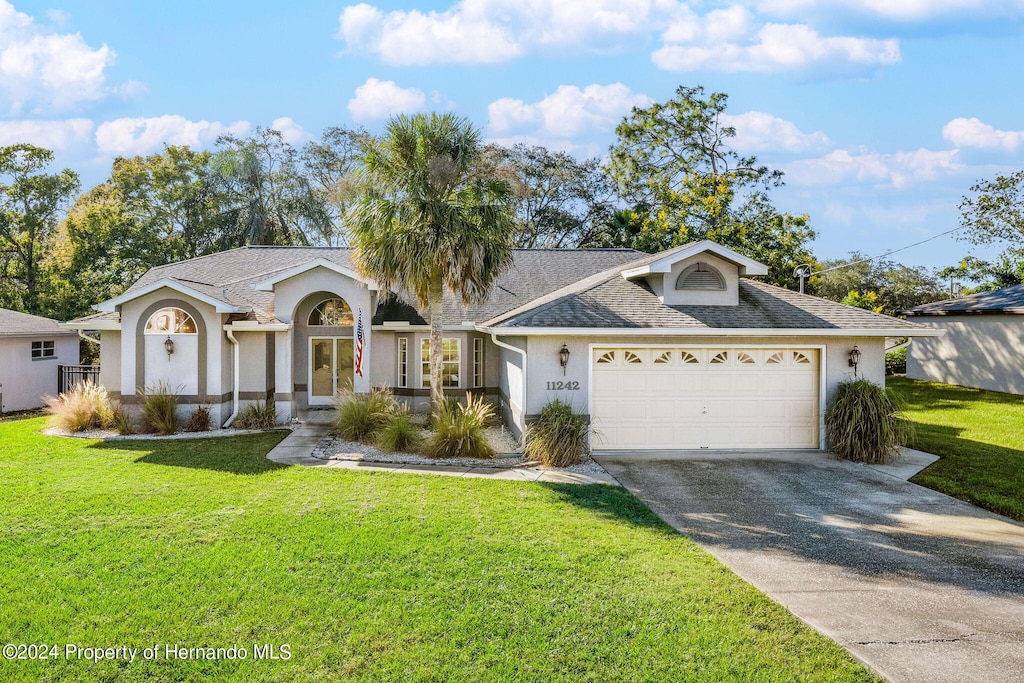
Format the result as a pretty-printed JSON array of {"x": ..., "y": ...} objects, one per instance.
[{"x": 331, "y": 361}]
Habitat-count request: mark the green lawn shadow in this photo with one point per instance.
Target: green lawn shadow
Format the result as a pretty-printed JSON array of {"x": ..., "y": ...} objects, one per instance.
[
  {"x": 612, "y": 502},
  {"x": 245, "y": 454}
]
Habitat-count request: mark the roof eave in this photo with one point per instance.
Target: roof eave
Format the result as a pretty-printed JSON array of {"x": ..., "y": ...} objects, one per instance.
[
  {"x": 710, "y": 331},
  {"x": 221, "y": 306},
  {"x": 268, "y": 284},
  {"x": 78, "y": 325},
  {"x": 747, "y": 266}
]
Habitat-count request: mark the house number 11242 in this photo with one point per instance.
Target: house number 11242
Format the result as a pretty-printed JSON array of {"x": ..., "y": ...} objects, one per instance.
[{"x": 563, "y": 386}]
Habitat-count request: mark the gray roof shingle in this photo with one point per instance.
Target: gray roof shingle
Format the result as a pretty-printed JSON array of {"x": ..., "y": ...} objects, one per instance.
[
  {"x": 613, "y": 302},
  {"x": 13, "y": 323},
  {"x": 231, "y": 276},
  {"x": 1005, "y": 300}
]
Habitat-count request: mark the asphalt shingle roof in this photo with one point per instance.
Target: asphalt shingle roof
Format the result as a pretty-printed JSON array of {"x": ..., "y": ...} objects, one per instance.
[
  {"x": 231, "y": 276},
  {"x": 15, "y": 323},
  {"x": 613, "y": 302},
  {"x": 1005, "y": 300}
]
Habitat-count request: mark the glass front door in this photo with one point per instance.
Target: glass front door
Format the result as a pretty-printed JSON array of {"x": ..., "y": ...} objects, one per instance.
[{"x": 331, "y": 362}]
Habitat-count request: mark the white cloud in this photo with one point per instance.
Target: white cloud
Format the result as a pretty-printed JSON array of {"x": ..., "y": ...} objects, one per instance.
[
  {"x": 488, "y": 31},
  {"x": 48, "y": 134},
  {"x": 376, "y": 99},
  {"x": 41, "y": 70},
  {"x": 977, "y": 134},
  {"x": 757, "y": 131},
  {"x": 731, "y": 40},
  {"x": 567, "y": 112},
  {"x": 897, "y": 169},
  {"x": 293, "y": 133},
  {"x": 130, "y": 136}
]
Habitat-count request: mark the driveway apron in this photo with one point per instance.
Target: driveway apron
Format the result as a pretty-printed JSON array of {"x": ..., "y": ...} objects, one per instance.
[{"x": 918, "y": 585}]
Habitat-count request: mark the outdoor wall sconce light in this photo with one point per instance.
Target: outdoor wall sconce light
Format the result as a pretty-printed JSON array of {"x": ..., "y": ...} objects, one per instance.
[
  {"x": 563, "y": 357},
  {"x": 169, "y": 347},
  {"x": 854, "y": 358}
]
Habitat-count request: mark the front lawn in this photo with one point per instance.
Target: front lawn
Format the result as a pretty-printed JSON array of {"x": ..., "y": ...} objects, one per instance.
[
  {"x": 978, "y": 434},
  {"x": 364, "y": 576}
]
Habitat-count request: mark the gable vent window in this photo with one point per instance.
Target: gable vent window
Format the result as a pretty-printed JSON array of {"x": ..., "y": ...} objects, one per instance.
[{"x": 701, "y": 276}]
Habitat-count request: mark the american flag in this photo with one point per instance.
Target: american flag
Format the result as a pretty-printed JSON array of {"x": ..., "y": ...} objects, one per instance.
[{"x": 359, "y": 344}]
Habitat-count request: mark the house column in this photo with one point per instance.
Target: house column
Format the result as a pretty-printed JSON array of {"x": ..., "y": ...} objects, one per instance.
[{"x": 284, "y": 384}]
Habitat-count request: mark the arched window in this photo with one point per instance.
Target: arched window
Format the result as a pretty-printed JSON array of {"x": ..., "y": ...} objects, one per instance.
[
  {"x": 170, "y": 321},
  {"x": 333, "y": 312},
  {"x": 701, "y": 276}
]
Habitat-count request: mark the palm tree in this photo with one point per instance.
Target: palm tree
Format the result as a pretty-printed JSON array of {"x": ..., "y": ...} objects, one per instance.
[{"x": 432, "y": 217}]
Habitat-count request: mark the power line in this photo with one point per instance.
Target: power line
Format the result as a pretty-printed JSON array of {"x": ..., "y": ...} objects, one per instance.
[{"x": 888, "y": 253}]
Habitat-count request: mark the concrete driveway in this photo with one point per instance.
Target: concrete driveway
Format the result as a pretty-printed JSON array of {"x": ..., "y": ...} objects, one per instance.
[{"x": 920, "y": 586}]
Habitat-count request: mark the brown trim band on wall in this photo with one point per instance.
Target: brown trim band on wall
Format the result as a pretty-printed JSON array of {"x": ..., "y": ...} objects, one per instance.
[
  {"x": 183, "y": 399},
  {"x": 140, "y": 341},
  {"x": 284, "y": 397},
  {"x": 454, "y": 393}
]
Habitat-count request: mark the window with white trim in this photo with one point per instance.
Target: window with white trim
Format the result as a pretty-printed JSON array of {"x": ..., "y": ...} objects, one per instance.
[
  {"x": 450, "y": 355},
  {"x": 43, "y": 349},
  {"x": 170, "y": 321},
  {"x": 478, "y": 362},
  {"x": 403, "y": 361}
]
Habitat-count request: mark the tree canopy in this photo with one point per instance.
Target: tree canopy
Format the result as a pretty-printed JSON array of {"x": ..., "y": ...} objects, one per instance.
[
  {"x": 881, "y": 285},
  {"x": 672, "y": 162}
]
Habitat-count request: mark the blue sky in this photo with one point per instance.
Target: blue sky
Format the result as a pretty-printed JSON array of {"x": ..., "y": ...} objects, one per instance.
[{"x": 882, "y": 113}]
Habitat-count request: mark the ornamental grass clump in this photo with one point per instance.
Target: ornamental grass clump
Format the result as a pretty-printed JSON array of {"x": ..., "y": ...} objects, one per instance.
[
  {"x": 400, "y": 433},
  {"x": 460, "y": 430},
  {"x": 159, "y": 414},
  {"x": 256, "y": 415},
  {"x": 86, "y": 406},
  {"x": 558, "y": 437},
  {"x": 864, "y": 424},
  {"x": 360, "y": 416},
  {"x": 199, "y": 420}
]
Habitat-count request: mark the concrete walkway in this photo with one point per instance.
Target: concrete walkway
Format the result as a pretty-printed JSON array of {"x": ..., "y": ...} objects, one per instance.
[
  {"x": 918, "y": 585},
  {"x": 314, "y": 425}
]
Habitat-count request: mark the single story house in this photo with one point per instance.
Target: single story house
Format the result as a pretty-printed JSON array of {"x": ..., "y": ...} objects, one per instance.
[
  {"x": 982, "y": 344},
  {"x": 677, "y": 350},
  {"x": 31, "y": 347}
]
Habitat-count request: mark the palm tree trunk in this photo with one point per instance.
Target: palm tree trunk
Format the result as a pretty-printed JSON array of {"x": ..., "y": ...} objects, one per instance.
[{"x": 436, "y": 294}]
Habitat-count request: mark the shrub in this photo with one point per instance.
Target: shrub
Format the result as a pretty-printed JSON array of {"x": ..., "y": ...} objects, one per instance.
[
  {"x": 896, "y": 361},
  {"x": 360, "y": 416},
  {"x": 256, "y": 415},
  {"x": 863, "y": 423},
  {"x": 460, "y": 430},
  {"x": 159, "y": 410},
  {"x": 86, "y": 406},
  {"x": 558, "y": 437},
  {"x": 122, "y": 421},
  {"x": 399, "y": 433},
  {"x": 199, "y": 420}
]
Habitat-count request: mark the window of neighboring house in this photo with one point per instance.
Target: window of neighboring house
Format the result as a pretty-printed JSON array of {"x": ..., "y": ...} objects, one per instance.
[
  {"x": 449, "y": 362},
  {"x": 478, "y": 362},
  {"x": 333, "y": 312},
  {"x": 170, "y": 321},
  {"x": 43, "y": 349},
  {"x": 403, "y": 362}
]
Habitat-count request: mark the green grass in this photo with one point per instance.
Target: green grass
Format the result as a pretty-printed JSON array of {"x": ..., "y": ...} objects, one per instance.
[
  {"x": 978, "y": 434},
  {"x": 365, "y": 576}
]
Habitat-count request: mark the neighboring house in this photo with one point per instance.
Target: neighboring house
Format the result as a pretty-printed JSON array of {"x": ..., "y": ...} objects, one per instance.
[
  {"x": 983, "y": 343},
  {"x": 676, "y": 350},
  {"x": 31, "y": 347}
]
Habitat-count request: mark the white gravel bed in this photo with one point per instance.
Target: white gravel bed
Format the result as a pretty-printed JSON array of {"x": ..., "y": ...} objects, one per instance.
[{"x": 336, "y": 448}]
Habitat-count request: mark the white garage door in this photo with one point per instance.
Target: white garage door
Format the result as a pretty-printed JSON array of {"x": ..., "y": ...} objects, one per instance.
[{"x": 692, "y": 398}]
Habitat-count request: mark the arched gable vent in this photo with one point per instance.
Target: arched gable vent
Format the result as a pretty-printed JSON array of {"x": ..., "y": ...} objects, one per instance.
[{"x": 701, "y": 276}]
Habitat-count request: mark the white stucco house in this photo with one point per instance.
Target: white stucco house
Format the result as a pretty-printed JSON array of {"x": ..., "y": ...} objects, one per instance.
[
  {"x": 31, "y": 348},
  {"x": 684, "y": 349},
  {"x": 982, "y": 344}
]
